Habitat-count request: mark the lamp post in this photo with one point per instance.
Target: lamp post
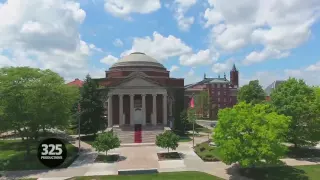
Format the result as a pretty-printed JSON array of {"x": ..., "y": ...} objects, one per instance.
[{"x": 79, "y": 110}]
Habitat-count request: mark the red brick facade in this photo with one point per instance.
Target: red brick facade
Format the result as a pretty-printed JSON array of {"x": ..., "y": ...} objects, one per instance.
[{"x": 222, "y": 92}]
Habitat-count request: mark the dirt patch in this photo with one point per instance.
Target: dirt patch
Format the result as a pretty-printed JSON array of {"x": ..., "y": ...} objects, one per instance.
[
  {"x": 107, "y": 158},
  {"x": 168, "y": 156}
]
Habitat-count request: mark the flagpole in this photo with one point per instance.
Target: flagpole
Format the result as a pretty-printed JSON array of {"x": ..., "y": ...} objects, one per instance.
[
  {"x": 193, "y": 125},
  {"x": 79, "y": 110}
]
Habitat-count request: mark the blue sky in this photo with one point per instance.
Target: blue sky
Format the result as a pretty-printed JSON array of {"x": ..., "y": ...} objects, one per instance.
[{"x": 266, "y": 39}]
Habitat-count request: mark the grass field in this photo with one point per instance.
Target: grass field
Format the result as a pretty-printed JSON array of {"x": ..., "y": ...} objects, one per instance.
[
  {"x": 13, "y": 156},
  {"x": 206, "y": 152},
  {"x": 311, "y": 172},
  {"x": 160, "y": 176}
]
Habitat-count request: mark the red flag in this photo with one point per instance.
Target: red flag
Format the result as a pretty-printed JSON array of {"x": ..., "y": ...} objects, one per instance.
[{"x": 192, "y": 103}]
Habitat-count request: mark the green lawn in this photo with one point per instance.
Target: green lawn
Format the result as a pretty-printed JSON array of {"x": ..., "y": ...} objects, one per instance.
[
  {"x": 160, "y": 176},
  {"x": 206, "y": 152},
  {"x": 302, "y": 153},
  {"x": 311, "y": 172},
  {"x": 185, "y": 138},
  {"x": 13, "y": 156},
  {"x": 199, "y": 128}
]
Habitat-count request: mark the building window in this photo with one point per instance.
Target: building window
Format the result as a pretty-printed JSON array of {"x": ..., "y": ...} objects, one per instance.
[
  {"x": 225, "y": 93},
  {"x": 218, "y": 85},
  {"x": 218, "y": 99},
  {"x": 219, "y": 105},
  {"x": 224, "y": 85},
  {"x": 218, "y": 93}
]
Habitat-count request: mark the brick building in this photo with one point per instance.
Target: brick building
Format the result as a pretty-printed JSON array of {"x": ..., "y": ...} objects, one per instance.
[
  {"x": 141, "y": 93},
  {"x": 222, "y": 92},
  {"x": 271, "y": 87}
]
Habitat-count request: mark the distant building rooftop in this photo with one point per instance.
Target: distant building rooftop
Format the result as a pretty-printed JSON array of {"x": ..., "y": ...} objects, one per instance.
[
  {"x": 272, "y": 86},
  {"x": 76, "y": 82},
  {"x": 209, "y": 81}
]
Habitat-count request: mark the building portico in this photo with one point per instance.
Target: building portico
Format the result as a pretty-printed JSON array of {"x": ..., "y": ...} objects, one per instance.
[{"x": 137, "y": 108}]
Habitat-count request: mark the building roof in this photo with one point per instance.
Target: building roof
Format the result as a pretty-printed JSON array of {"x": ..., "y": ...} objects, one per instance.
[
  {"x": 76, "y": 82},
  {"x": 209, "y": 81},
  {"x": 137, "y": 59},
  {"x": 272, "y": 86}
]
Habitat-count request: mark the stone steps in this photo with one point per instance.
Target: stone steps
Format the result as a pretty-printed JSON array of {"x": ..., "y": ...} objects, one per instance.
[{"x": 126, "y": 135}]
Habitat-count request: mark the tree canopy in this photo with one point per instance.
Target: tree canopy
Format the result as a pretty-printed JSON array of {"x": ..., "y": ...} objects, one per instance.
[
  {"x": 167, "y": 140},
  {"x": 251, "y": 93},
  {"x": 202, "y": 103},
  {"x": 92, "y": 109},
  {"x": 106, "y": 141},
  {"x": 250, "y": 134},
  {"x": 33, "y": 99},
  {"x": 296, "y": 99}
]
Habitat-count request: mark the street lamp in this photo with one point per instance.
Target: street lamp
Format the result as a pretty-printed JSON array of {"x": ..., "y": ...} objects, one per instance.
[{"x": 79, "y": 110}]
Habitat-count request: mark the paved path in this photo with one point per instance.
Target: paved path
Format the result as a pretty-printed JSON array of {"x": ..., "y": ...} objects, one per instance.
[{"x": 142, "y": 157}]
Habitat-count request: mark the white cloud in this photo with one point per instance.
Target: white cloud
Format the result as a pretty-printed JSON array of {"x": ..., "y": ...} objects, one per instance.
[
  {"x": 181, "y": 7},
  {"x": 267, "y": 53},
  {"x": 159, "y": 46},
  {"x": 280, "y": 25},
  {"x": 123, "y": 8},
  {"x": 203, "y": 57},
  {"x": 44, "y": 34},
  {"x": 109, "y": 60},
  {"x": 222, "y": 67},
  {"x": 118, "y": 43},
  {"x": 310, "y": 77},
  {"x": 174, "y": 68},
  {"x": 190, "y": 72},
  {"x": 190, "y": 77},
  {"x": 314, "y": 67}
]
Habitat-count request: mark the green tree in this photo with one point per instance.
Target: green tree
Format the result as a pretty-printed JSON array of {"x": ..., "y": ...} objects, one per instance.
[
  {"x": 32, "y": 99},
  {"x": 184, "y": 120},
  {"x": 294, "y": 98},
  {"x": 92, "y": 110},
  {"x": 317, "y": 91},
  {"x": 167, "y": 140},
  {"x": 251, "y": 93},
  {"x": 249, "y": 134},
  {"x": 202, "y": 103},
  {"x": 106, "y": 141}
]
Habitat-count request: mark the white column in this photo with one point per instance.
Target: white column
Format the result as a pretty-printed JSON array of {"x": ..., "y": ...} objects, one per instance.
[
  {"x": 143, "y": 109},
  {"x": 121, "y": 109},
  {"x": 131, "y": 109},
  {"x": 164, "y": 102},
  {"x": 154, "y": 110},
  {"x": 110, "y": 110}
]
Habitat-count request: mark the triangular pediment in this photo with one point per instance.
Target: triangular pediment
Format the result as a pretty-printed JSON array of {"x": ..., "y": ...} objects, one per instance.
[{"x": 138, "y": 82}]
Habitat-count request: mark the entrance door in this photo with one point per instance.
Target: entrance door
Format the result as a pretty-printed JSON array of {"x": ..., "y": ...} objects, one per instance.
[{"x": 137, "y": 116}]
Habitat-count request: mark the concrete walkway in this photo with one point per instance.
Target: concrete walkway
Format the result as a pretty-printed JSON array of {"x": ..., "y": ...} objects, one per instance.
[{"x": 142, "y": 157}]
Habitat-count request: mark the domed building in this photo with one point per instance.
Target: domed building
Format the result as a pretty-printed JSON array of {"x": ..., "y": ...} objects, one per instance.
[{"x": 141, "y": 93}]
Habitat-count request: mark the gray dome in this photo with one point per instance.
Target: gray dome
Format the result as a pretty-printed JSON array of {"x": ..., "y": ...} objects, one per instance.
[{"x": 137, "y": 59}]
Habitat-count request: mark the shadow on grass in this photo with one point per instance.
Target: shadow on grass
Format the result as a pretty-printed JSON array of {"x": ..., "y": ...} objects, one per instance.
[
  {"x": 303, "y": 153},
  {"x": 13, "y": 156},
  {"x": 267, "y": 173}
]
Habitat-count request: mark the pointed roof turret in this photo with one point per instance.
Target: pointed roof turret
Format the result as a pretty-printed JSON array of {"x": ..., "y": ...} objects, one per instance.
[
  {"x": 234, "y": 67},
  {"x": 204, "y": 76}
]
